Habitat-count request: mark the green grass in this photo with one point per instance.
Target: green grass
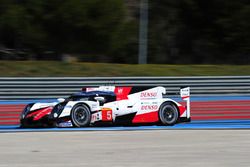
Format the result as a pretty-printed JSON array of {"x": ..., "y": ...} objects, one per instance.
[{"x": 53, "y": 68}]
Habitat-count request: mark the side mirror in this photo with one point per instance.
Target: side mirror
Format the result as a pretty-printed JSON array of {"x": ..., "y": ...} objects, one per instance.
[
  {"x": 61, "y": 100},
  {"x": 99, "y": 98}
]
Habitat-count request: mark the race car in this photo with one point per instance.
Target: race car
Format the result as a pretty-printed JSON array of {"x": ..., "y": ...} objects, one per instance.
[{"x": 118, "y": 105}]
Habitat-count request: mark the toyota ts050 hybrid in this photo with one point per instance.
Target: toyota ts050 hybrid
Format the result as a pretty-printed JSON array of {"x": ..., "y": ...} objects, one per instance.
[{"x": 119, "y": 105}]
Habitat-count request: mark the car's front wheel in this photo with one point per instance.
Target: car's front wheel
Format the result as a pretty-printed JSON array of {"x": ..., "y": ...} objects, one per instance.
[
  {"x": 80, "y": 115},
  {"x": 168, "y": 113}
]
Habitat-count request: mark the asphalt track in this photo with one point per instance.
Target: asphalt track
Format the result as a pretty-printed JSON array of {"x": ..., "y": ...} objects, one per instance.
[
  {"x": 147, "y": 148},
  {"x": 212, "y": 124}
]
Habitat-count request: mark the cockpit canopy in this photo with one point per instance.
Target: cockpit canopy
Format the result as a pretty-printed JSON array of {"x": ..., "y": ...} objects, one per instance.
[{"x": 89, "y": 96}]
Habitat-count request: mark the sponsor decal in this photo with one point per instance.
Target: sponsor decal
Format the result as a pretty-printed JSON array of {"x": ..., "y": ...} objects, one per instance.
[
  {"x": 148, "y": 94},
  {"x": 122, "y": 92},
  {"x": 96, "y": 117},
  {"x": 107, "y": 114},
  {"x": 65, "y": 124},
  {"x": 185, "y": 92},
  {"x": 93, "y": 117},
  {"x": 149, "y": 107}
]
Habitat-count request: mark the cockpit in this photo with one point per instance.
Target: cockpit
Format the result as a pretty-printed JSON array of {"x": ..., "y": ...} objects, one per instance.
[{"x": 90, "y": 96}]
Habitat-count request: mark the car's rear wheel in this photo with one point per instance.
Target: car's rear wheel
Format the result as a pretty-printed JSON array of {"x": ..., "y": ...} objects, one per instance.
[
  {"x": 80, "y": 115},
  {"x": 168, "y": 113}
]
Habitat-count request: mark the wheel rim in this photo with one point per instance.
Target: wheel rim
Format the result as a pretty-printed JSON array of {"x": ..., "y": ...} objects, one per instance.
[
  {"x": 169, "y": 114},
  {"x": 80, "y": 115}
]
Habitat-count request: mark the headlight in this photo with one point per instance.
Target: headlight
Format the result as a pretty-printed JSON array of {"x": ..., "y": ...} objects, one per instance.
[
  {"x": 57, "y": 110},
  {"x": 26, "y": 110}
]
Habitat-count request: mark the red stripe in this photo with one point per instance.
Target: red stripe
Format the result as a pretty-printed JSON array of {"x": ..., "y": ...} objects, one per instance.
[
  {"x": 40, "y": 113},
  {"x": 219, "y": 103},
  {"x": 10, "y": 123},
  {"x": 43, "y": 113},
  {"x": 34, "y": 113},
  {"x": 11, "y": 110},
  {"x": 146, "y": 118},
  {"x": 214, "y": 110},
  {"x": 9, "y": 119},
  {"x": 184, "y": 97},
  {"x": 12, "y": 106},
  {"x": 16, "y": 105},
  {"x": 219, "y": 117},
  {"x": 223, "y": 102},
  {"x": 222, "y": 107},
  {"x": 182, "y": 109},
  {"x": 219, "y": 112},
  {"x": 9, "y": 114}
]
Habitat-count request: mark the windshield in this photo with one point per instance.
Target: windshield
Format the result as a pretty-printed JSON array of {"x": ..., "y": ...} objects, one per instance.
[{"x": 90, "y": 96}]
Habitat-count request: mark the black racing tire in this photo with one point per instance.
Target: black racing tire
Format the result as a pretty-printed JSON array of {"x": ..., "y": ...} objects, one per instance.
[
  {"x": 168, "y": 113},
  {"x": 80, "y": 115}
]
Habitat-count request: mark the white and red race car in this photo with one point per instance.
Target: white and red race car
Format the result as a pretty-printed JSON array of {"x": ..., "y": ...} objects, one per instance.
[{"x": 120, "y": 105}]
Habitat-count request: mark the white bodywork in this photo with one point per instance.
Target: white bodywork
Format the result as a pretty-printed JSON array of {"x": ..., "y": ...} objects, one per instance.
[
  {"x": 142, "y": 102},
  {"x": 37, "y": 106}
]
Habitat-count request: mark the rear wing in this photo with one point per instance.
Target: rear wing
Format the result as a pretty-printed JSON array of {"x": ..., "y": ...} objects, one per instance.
[{"x": 185, "y": 95}]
